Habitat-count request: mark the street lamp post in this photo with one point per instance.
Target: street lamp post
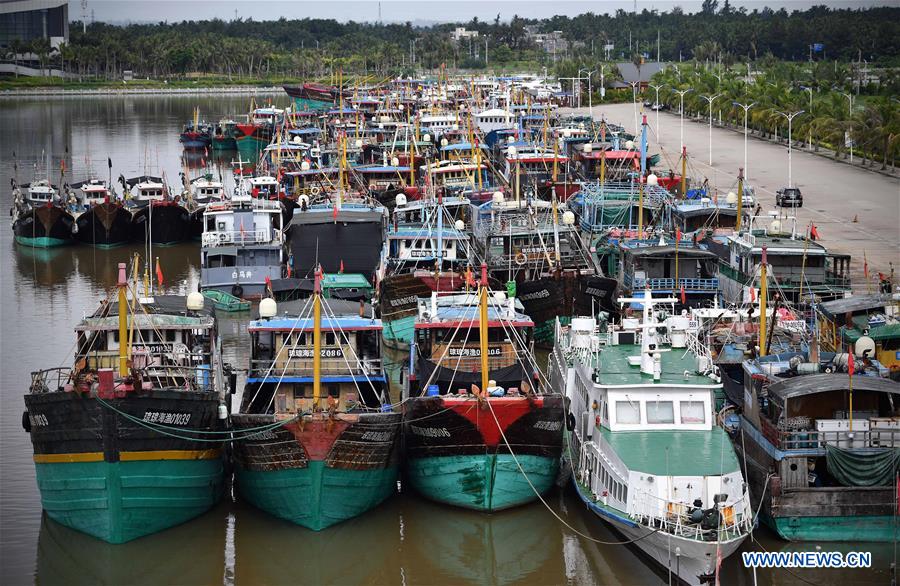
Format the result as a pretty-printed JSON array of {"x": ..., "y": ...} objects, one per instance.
[
  {"x": 849, "y": 122},
  {"x": 710, "y": 99},
  {"x": 634, "y": 85},
  {"x": 681, "y": 111},
  {"x": 656, "y": 105},
  {"x": 746, "y": 108},
  {"x": 790, "y": 118},
  {"x": 590, "y": 98},
  {"x": 809, "y": 135}
]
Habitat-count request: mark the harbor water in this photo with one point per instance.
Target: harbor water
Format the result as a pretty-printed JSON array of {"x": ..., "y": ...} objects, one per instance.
[{"x": 407, "y": 540}]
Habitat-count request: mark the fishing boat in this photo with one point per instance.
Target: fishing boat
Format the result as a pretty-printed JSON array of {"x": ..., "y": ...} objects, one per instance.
[
  {"x": 39, "y": 219},
  {"x": 251, "y": 137},
  {"x": 242, "y": 246},
  {"x": 534, "y": 246},
  {"x": 646, "y": 454},
  {"x": 328, "y": 451},
  {"x": 413, "y": 268},
  {"x": 104, "y": 221},
  {"x": 482, "y": 432},
  {"x": 196, "y": 134},
  {"x": 223, "y": 135},
  {"x": 199, "y": 193},
  {"x": 125, "y": 440},
  {"x": 225, "y": 301},
  {"x": 314, "y": 96},
  {"x": 158, "y": 217}
]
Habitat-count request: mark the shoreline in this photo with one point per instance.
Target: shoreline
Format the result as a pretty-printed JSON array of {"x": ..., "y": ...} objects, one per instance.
[{"x": 114, "y": 91}]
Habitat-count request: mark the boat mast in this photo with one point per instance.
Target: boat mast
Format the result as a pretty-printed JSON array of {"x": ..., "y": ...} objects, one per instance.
[
  {"x": 483, "y": 328},
  {"x": 123, "y": 320},
  {"x": 763, "y": 290},
  {"x": 684, "y": 174},
  {"x": 317, "y": 339},
  {"x": 740, "y": 208}
]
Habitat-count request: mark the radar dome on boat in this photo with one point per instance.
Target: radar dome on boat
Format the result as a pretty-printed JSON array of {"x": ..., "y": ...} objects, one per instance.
[
  {"x": 497, "y": 197},
  {"x": 864, "y": 347},
  {"x": 400, "y": 199},
  {"x": 775, "y": 226},
  {"x": 499, "y": 296},
  {"x": 395, "y": 161},
  {"x": 510, "y": 139},
  {"x": 567, "y": 133},
  {"x": 303, "y": 199},
  {"x": 731, "y": 198},
  {"x": 629, "y": 145},
  {"x": 568, "y": 218},
  {"x": 444, "y": 142},
  {"x": 652, "y": 180},
  {"x": 297, "y": 140},
  {"x": 455, "y": 127},
  {"x": 195, "y": 301},
  {"x": 385, "y": 119},
  {"x": 268, "y": 308},
  {"x": 511, "y": 151},
  {"x": 427, "y": 138},
  {"x": 460, "y": 225},
  {"x": 359, "y": 143},
  {"x": 304, "y": 166},
  {"x": 588, "y": 147}
]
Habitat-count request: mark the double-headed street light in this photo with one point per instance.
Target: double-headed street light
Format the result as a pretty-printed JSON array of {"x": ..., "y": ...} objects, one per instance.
[
  {"x": 710, "y": 99},
  {"x": 656, "y": 105},
  {"x": 590, "y": 101},
  {"x": 681, "y": 111},
  {"x": 809, "y": 136},
  {"x": 790, "y": 118},
  {"x": 746, "y": 108},
  {"x": 849, "y": 122}
]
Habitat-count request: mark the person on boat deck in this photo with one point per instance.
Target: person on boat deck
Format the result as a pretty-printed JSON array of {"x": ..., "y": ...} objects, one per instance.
[{"x": 814, "y": 479}]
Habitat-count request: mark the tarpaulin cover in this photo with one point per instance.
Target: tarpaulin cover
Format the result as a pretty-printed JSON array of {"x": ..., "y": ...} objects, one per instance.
[{"x": 870, "y": 467}]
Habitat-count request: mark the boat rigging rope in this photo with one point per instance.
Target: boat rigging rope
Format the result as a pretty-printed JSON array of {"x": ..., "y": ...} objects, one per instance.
[{"x": 544, "y": 502}]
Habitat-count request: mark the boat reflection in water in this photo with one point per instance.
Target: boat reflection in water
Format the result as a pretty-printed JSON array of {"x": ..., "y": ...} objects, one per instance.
[{"x": 66, "y": 556}]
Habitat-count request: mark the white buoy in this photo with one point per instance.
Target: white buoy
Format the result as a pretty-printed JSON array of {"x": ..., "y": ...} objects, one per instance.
[
  {"x": 568, "y": 218},
  {"x": 731, "y": 198},
  {"x": 395, "y": 162},
  {"x": 268, "y": 308},
  {"x": 511, "y": 151},
  {"x": 195, "y": 301},
  {"x": 444, "y": 142},
  {"x": 652, "y": 180},
  {"x": 359, "y": 143},
  {"x": 497, "y": 197},
  {"x": 629, "y": 145},
  {"x": 460, "y": 225},
  {"x": 426, "y": 138},
  {"x": 304, "y": 166},
  {"x": 588, "y": 147},
  {"x": 400, "y": 200}
]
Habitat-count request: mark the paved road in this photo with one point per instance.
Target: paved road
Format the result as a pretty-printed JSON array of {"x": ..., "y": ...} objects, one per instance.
[{"x": 833, "y": 193}]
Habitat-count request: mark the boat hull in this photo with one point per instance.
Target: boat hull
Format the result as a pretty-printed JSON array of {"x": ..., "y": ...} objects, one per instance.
[
  {"x": 170, "y": 224},
  {"x": 456, "y": 452},
  {"x": 114, "y": 479},
  {"x": 105, "y": 225},
  {"x": 696, "y": 564},
  {"x": 877, "y": 528},
  {"x": 44, "y": 227},
  {"x": 547, "y": 298},
  {"x": 322, "y": 472}
]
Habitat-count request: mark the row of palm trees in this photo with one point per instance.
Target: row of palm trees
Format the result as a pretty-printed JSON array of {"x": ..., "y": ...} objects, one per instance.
[{"x": 832, "y": 116}]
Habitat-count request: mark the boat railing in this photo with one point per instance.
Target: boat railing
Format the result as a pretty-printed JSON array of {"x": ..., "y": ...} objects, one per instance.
[
  {"x": 303, "y": 367},
  {"x": 734, "y": 519},
  {"x": 231, "y": 237},
  {"x": 863, "y": 436},
  {"x": 49, "y": 380},
  {"x": 669, "y": 284}
]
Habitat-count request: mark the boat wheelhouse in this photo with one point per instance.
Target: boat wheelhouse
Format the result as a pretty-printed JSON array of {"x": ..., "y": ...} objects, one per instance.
[
  {"x": 242, "y": 246},
  {"x": 316, "y": 384},
  {"x": 646, "y": 453},
  {"x": 128, "y": 442},
  {"x": 157, "y": 217}
]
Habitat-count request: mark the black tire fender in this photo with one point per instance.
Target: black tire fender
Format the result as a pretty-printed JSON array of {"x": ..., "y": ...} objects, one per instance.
[
  {"x": 26, "y": 422},
  {"x": 570, "y": 422}
]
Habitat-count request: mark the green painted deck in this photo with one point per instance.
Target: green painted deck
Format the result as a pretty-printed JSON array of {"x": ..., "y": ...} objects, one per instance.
[
  {"x": 121, "y": 501},
  {"x": 399, "y": 330},
  {"x": 487, "y": 482},
  {"x": 318, "y": 496},
  {"x": 675, "y": 452},
  {"x": 613, "y": 368}
]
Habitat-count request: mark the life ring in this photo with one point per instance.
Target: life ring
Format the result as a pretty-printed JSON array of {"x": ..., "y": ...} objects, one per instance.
[
  {"x": 521, "y": 259},
  {"x": 570, "y": 422},
  {"x": 26, "y": 422},
  {"x": 237, "y": 291},
  {"x": 315, "y": 190}
]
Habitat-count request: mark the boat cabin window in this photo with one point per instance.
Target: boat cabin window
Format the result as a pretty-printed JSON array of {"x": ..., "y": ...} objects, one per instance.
[
  {"x": 628, "y": 412},
  {"x": 692, "y": 412},
  {"x": 660, "y": 412}
]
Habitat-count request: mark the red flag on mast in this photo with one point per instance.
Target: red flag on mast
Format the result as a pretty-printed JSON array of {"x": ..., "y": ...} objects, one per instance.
[
  {"x": 683, "y": 296},
  {"x": 159, "y": 273},
  {"x": 850, "y": 365}
]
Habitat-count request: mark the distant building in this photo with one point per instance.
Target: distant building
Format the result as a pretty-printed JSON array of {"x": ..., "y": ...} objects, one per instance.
[
  {"x": 26, "y": 20},
  {"x": 630, "y": 73},
  {"x": 552, "y": 43},
  {"x": 460, "y": 33}
]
